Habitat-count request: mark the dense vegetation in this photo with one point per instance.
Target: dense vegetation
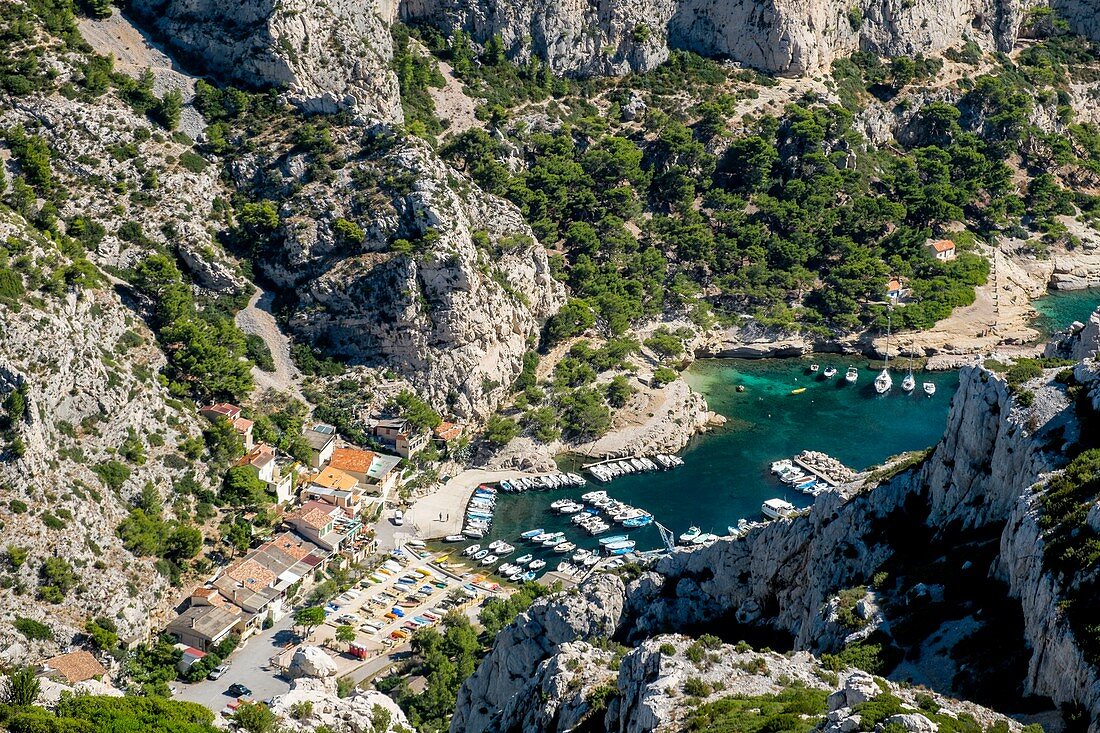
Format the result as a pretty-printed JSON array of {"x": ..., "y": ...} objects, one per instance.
[
  {"x": 88, "y": 714},
  {"x": 794, "y": 710}
]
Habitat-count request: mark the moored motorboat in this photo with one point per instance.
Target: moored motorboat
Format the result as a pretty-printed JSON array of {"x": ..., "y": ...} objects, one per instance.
[
  {"x": 929, "y": 388},
  {"x": 454, "y": 538},
  {"x": 851, "y": 375},
  {"x": 776, "y": 508},
  {"x": 489, "y": 559},
  {"x": 830, "y": 372},
  {"x": 524, "y": 559},
  {"x": 469, "y": 551},
  {"x": 687, "y": 537},
  {"x": 537, "y": 564},
  {"x": 481, "y": 554},
  {"x": 814, "y": 368},
  {"x": 611, "y": 540},
  {"x": 565, "y": 547},
  {"x": 531, "y": 533}
]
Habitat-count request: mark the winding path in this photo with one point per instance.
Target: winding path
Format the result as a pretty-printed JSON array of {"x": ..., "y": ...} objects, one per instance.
[{"x": 256, "y": 318}]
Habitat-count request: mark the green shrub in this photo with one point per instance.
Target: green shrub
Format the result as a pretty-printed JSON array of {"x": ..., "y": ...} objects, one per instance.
[
  {"x": 112, "y": 473},
  {"x": 33, "y": 630}
]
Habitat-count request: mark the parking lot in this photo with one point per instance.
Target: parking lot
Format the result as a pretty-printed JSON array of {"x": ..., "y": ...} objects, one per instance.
[
  {"x": 409, "y": 591},
  {"x": 249, "y": 665}
]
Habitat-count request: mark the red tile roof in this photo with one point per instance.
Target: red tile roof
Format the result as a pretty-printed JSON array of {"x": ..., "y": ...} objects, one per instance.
[
  {"x": 943, "y": 245},
  {"x": 351, "y": 459}
]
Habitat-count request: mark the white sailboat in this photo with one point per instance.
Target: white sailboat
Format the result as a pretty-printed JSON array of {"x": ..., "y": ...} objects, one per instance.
[
  {"x": 909, "y": 383},
  {"x": 883, "y": 382}
]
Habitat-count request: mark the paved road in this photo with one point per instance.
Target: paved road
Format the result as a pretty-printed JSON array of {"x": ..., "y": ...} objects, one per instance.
[{"x": 247, "y": 666}]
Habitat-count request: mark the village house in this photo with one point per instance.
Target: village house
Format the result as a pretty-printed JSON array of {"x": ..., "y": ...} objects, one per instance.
[
  {"x": 896, "y": 290},
  {"x": 336, "y": 488},
  {"x": 942, "y": 249},
  {"x": 447, "y": 433},
  {"x": 204, "y": 627},
  {"x": 321, "y": 439},
  {"x": 258, "y": 583},
  {"x": 376, "y": 472},
  {"x": 232, "y": 413},
  {"x": 398, "y": 434},
  {"x": 73, "y": 667},
  {"x": 274, "y": 470},
  {"x": 330, "y": 527},
  {"x": 188, "y": 656}
]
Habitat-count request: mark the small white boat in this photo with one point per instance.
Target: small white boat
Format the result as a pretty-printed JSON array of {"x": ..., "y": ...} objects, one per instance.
[
  {"x": 851, "y": 375},
  {"x": 830, "y": 372},
  {"x": 688, "y": 537},
  {"x": 883, "y": 382},
  {"x": 481, "y": 554},
  {"x": 704, "y": 539},
  {"x": 909, "y": 383},
  {"x": 553, "y": 542},
  {"x": 531, "y": 533},
  {"x": 930, "y": 388},
  {"x": 524, "y": 559},
  {"x": 565, "y": 547},
  {"x": 488, "y": 559},
  {"x": 564, "y": 567},
  {"x": 454, "y": 538},
  {"x": 469, "y": 551},
  {"x": 814, "y": 368},
  {"x": 495, "y": 544},
  {"x": 515, "y": 577},
  {"x": 537, "y": 564},
  {"x": 540, "y": 538}
]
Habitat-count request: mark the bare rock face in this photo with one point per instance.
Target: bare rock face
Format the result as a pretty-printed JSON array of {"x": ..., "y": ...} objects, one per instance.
[
  {"x": 312, "y": 661},
  {"x": 505, "y": 688},
  {"x": 363, "y": 710},
  {"x": 328, "y": 56},
  {"x": 575, "y": 37},
  {"x": 453, "y": 314}
]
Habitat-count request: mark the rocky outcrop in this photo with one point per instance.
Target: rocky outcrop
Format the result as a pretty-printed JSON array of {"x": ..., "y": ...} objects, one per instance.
[
  {"x": 314, "y": 704},
  {"x": 327, "y": 56},
  {"x": 311, "y": 661},
  {"x": 1079, "y": 341},
  {"x": 576, "y": 37},
  {"x": 505, "y": 688},
  {"x": 453, "y": 310}
]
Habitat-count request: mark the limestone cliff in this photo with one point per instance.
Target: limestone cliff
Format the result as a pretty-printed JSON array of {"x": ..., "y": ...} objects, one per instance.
[
  {"x": 453, "y": 307},
  {"x": 87, "y": 368},
  {"x": 328, "y": 56}
]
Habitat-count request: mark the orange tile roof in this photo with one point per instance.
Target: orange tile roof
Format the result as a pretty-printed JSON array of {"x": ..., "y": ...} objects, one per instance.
[
  {"x": 943, "y": 245},
  {"x": 207, "y": 593},
  {"x": 242, "y": 425},
  {"x": 331, "y": 478},
  {"x": 893, "y": 285},
  {"x": 223, "y": 408},
  {"x": 351, "y": 459},
  {"x": 258, "y": 456},
  {"x": 76, "y": 666},
  {"x": 448, "y": 431},
  {"x": 314, "y": 514},
  {"x": 291, "y": 545},
  {"x": 251, "y": 574}
]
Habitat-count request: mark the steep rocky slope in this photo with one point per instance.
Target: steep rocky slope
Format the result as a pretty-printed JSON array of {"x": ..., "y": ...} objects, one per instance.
[
  {"x": 87, "y": 369},
  {"x": 441, "y": 282},
  {"x": 328, "y": 56},
  {"x": 975, "y": 489}
]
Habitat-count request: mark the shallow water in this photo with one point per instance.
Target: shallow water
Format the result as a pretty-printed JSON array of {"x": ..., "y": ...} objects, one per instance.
[
  {"x": 1062, "y": 307},
  {"x": 726, "y": 475}
]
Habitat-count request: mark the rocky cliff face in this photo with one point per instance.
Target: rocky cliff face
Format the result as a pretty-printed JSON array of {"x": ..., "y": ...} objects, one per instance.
[
  {"x": 328, "y": 56},
  {"x": 454, "y": 311},
  {"x": 577, "y": 37},
  {"x": 88, "y": 369},
  {"x": 786, "y": 575}
]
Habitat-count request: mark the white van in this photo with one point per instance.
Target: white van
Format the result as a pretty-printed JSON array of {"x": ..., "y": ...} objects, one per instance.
[{"x": 398, "y": 517}]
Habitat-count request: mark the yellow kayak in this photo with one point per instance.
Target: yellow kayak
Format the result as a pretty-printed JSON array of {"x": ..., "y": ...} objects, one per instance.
[{"x": 800, "y": 390}]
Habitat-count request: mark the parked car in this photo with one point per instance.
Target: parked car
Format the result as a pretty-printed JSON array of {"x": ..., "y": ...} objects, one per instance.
[
  {"x": 218, "y": 671},
  {"x": 238, "y": 690},
  {"x": 399, "y": 517}
]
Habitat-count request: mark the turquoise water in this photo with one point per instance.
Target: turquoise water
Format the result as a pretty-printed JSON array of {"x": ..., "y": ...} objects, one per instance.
[
  {"x": 1061, "y": 308},
  {"x": 726, "y": 475}
]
